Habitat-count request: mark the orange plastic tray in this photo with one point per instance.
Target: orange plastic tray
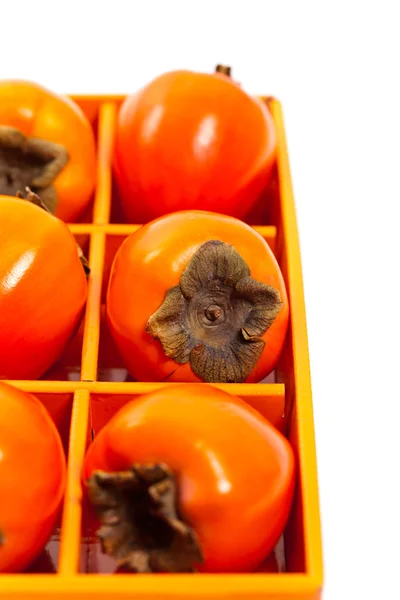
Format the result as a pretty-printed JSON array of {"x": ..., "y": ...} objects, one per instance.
[{"x": 90, "y": 383}]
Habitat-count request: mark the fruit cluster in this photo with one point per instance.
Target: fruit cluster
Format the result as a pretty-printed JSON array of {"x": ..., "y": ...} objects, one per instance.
[{"x": 189, "y": 478}]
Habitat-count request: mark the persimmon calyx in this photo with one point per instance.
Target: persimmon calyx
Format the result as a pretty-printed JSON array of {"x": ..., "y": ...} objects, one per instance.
[
  {"x": 140, "y": 525},
  {"x": 215, "y": 317},
  {"x": 31, "y": 162}
]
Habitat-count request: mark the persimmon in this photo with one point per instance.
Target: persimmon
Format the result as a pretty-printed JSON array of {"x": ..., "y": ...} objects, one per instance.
[
  {"x": 189, "y": 478},
  {"x": 47, "y": 144},
  {"x": 43, "y": 288},
  {"x": 191, "y": 140},
  {"x": 32, "y": 477},
  {"x": 197, "y": 296}
]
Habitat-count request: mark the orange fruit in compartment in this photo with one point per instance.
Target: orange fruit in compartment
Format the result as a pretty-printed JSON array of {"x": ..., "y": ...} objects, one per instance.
[
  {"x": 42, "y": 289},
  {"x": 32, "y": 477},
  {"x": 39, "y": 127},
  {"x": 245, "y": 338},
  {"x": 192, "y": 141},
  {"x": 230, "y": 474}
]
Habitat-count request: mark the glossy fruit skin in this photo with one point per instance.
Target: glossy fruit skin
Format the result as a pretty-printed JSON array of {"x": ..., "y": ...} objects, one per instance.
[
  {"x": 43, "y": 289},
  {"x": 151, "y": 261},
  {"x": 40, "y": 113},
  {"x": 192, "y": 141},
  {"x": 32, "y": 477},
  {"x": 235, "y": 471}
]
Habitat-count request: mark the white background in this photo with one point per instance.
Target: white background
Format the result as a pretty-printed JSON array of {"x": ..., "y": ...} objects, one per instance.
[{"x": 336, "y": 67}]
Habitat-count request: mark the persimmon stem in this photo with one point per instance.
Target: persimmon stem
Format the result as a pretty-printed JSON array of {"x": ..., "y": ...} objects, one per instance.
[
  {"x": 216, "y": 317},
  {"x": 140, "y": 523},
  {"x": 223, "y": 69}
]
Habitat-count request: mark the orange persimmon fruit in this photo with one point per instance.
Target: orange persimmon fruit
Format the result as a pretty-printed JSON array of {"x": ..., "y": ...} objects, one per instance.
[
  {"x": 197, "y": 296},
  {"x": 32, "y": 477},
  {"x": 47, "y": 144},
  {"x": 191, "y": 140},
  {"x": 43, "y": 288},
  {"x": 189, "y": 478}
]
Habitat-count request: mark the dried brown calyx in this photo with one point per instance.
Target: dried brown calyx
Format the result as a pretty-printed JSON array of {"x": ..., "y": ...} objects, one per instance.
[
  {"x": 33, "y": 198},
  {"x": 30, "y": 162},
  {"x": 215, "y": 317},
  {"x": 140, "y": 524}
]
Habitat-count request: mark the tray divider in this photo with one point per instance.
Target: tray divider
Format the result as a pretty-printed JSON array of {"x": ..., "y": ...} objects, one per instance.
[
  {"x": 91, "y": 334},
  {"x": 69, "y": 556},
  {"x": 106, "y": 131}
]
